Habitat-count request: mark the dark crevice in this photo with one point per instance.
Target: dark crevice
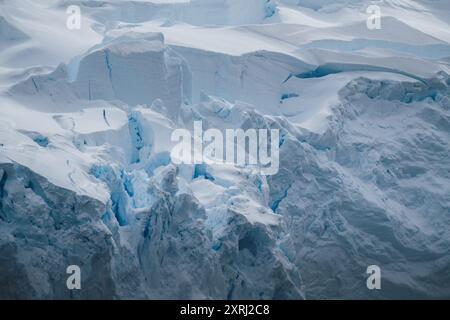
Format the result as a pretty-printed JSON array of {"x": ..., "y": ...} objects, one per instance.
[
  {"x": 332, "y": 68},
  {"x": 3, "y": 193},
  {"x": 35, "y": 84},
  {"x": 278, "y": 201},
  {"x": 104, "y": 118},
  {"x": 2, "y": 184}
]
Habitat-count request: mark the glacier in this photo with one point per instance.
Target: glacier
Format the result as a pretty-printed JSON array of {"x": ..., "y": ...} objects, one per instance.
[{"x": 86, "y": 177}]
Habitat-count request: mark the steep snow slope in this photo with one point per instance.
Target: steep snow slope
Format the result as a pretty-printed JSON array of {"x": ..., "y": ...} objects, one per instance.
[
  {"x": 86, "y": 177},
  {"x": 194, "y": 12},
  {"x": 49, "y": 42}
]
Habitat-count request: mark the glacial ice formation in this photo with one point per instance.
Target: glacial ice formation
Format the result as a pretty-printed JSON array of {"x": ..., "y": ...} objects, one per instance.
[{"x": 86, "y": 176}]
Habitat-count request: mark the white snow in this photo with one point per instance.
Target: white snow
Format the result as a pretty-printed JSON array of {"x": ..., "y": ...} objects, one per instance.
[{"x": 86, "y": 118}]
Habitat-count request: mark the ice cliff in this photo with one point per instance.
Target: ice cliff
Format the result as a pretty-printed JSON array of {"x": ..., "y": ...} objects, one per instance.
[{"x": 86, "y": 177}]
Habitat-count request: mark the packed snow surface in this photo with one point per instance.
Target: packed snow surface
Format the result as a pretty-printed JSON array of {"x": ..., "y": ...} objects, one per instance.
[{"x": 86, "y": 178}]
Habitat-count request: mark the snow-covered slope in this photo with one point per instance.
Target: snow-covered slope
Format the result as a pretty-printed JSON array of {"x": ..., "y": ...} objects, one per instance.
[{"x": 86, "y": 178}]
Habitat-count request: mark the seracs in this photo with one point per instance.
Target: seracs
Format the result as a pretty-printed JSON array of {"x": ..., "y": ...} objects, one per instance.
[{"x": 208, "y": 148}]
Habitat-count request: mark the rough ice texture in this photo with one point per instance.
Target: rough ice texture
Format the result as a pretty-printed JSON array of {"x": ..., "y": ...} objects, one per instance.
[
  {"x": 46, "y": 228},
  {"x": 85, "y": 170}
]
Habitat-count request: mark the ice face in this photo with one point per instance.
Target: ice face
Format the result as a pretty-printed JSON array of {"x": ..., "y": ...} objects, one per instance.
[
  {"x": 86, "y": 176},
  {"x": 135, "y": 71}
]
